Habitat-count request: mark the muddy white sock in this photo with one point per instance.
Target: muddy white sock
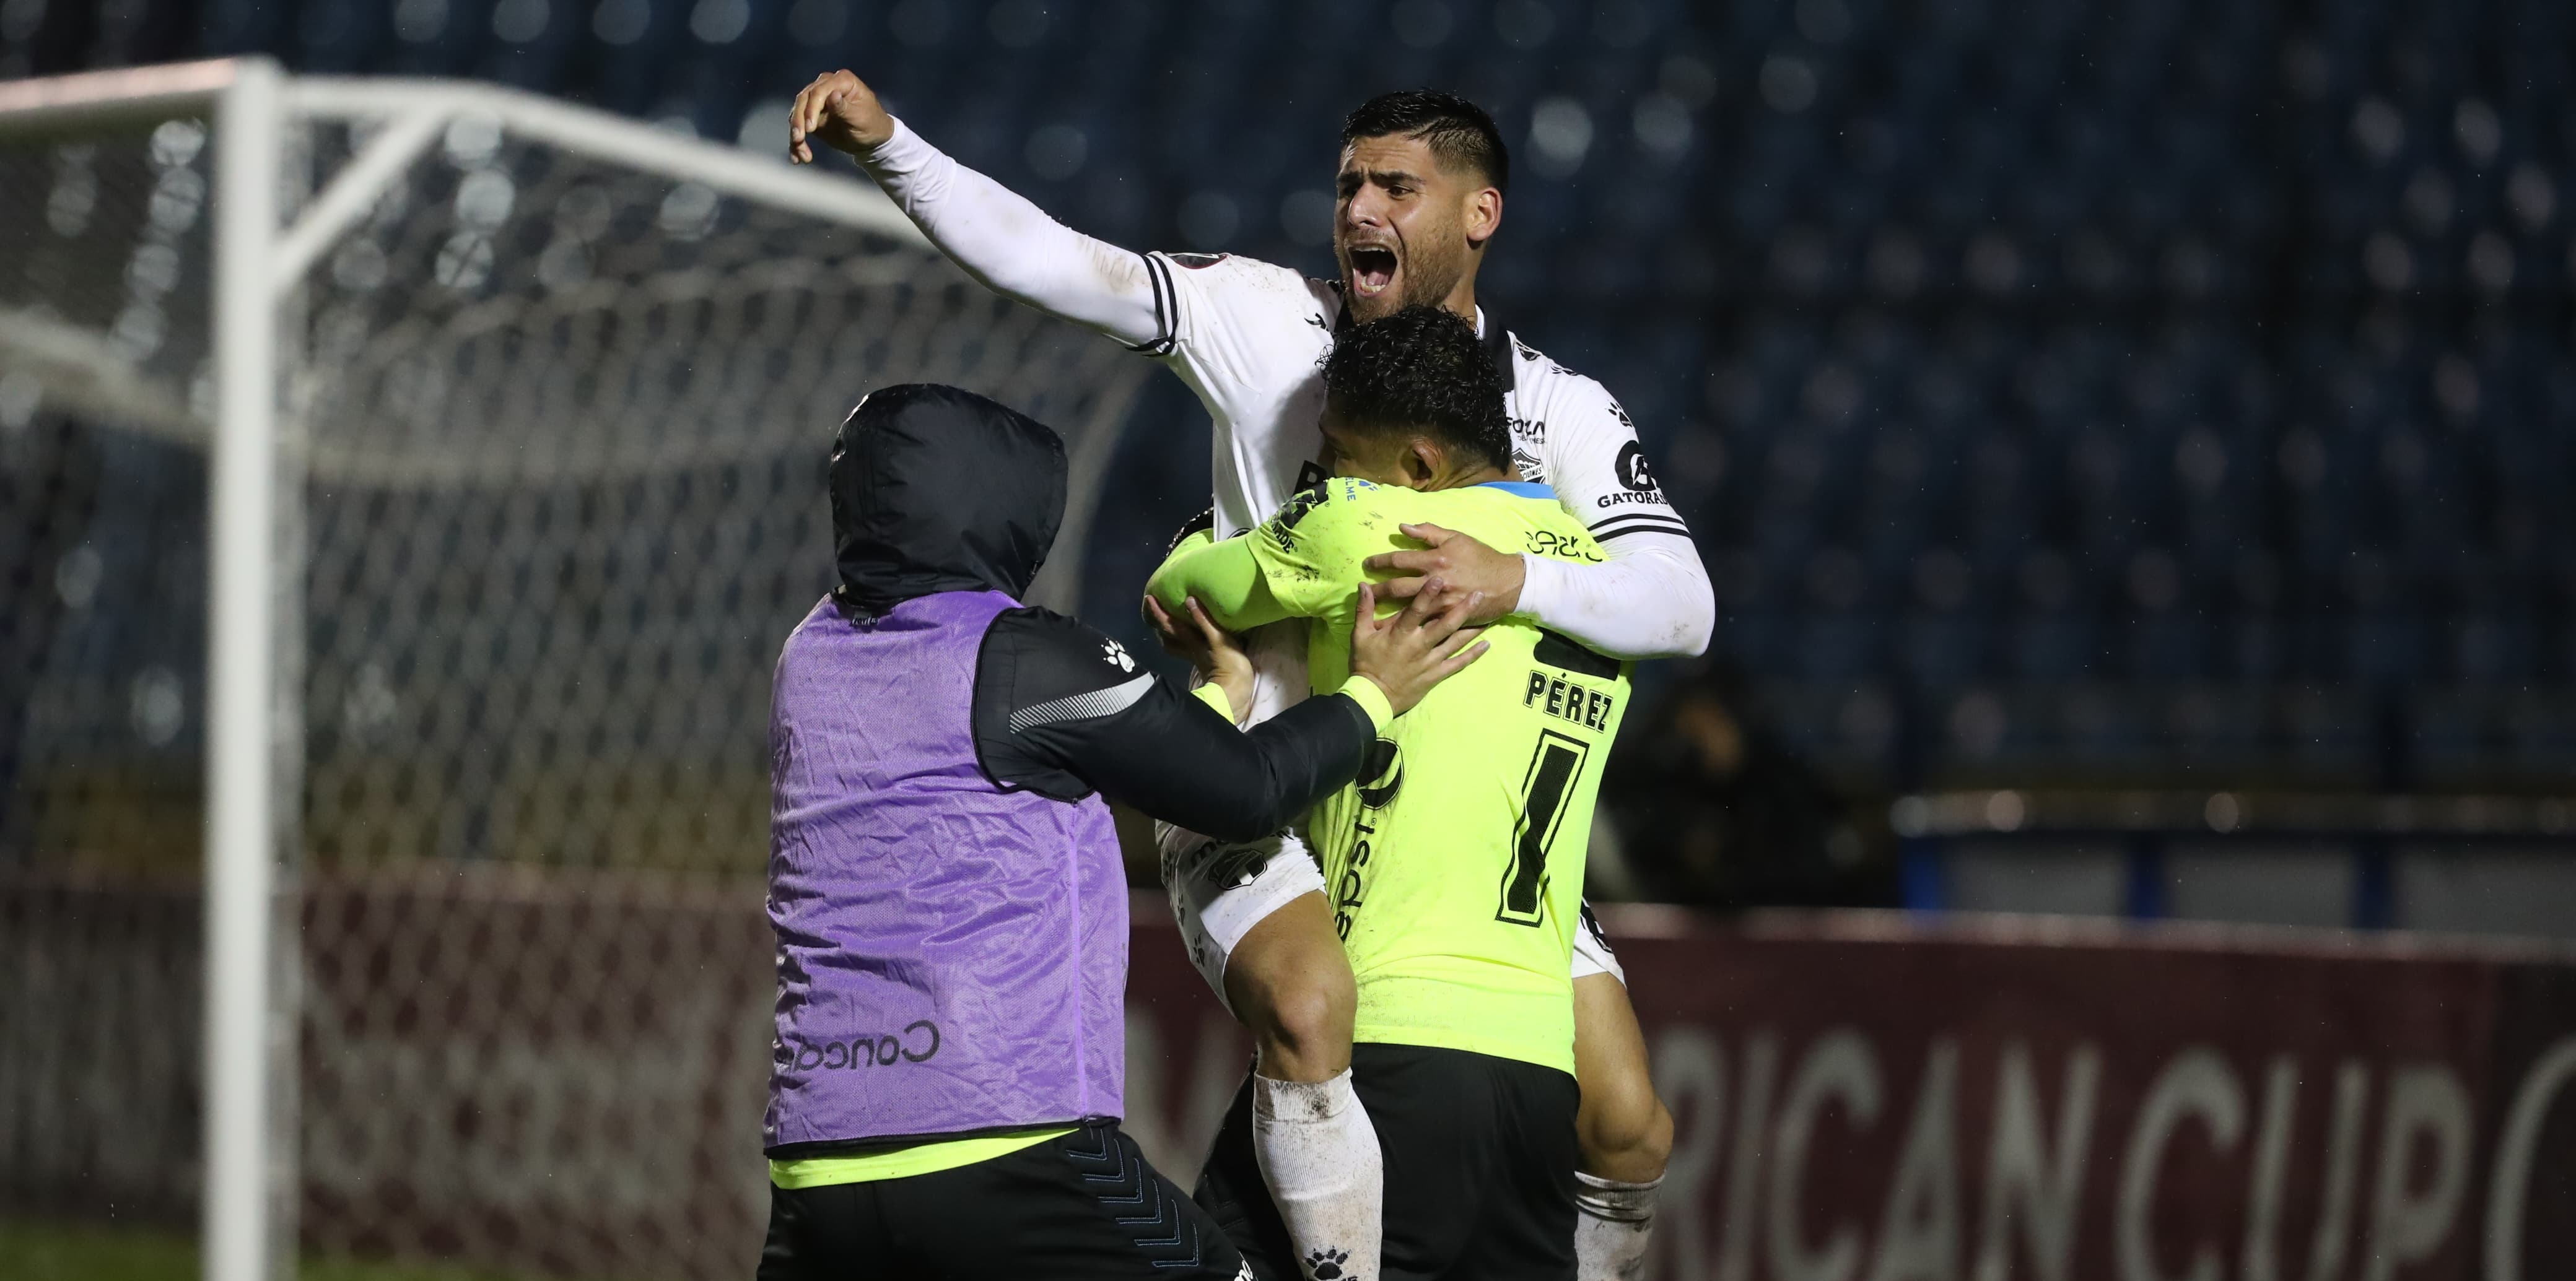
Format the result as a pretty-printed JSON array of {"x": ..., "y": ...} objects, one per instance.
[
  {"x": 1612, "y": 1227},
  {"x": 1319, "y": 1155}
]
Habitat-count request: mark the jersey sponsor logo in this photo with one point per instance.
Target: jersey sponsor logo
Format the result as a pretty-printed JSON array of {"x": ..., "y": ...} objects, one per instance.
[
  {"x": 1532, "y": 468},
  {"x": 1622, "y": 500},
  {"x": 1283, "y": 527},
  {"x": 1197, "y": 262},
  {"x": 1547, "y": 542},
  {"x": 1634, "y": 476},
  {"x": 917, "y": 1043},
  {"x": 1115, "y": 655},
  {"x": 1545, "y": 790},
  {"x": 1381, "y": 773},
  {"x": 1351, "y": 891},
  {"x": 1570, "y": 701},
  {"x": 1535, "y": 429},
  {"x": 1632, "y": 469},
  {"x": 1381, "y": 777}
]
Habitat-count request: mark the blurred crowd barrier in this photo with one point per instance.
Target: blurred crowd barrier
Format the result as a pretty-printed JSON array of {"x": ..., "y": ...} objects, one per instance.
[
  {"x": 546, "y": 1078},
  {"x": 1862, "y": 1095}
]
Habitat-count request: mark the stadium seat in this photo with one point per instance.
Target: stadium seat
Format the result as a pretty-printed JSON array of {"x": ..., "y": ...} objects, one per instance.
[{"x": 1949, "y": 281}]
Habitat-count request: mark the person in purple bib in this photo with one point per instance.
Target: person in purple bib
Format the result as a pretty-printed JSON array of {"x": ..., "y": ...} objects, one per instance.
[{"x": 948, "y": 1066}]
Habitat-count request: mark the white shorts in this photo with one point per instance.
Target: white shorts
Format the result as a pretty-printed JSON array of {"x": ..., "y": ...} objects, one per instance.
[
  {"x": 1219, "y": 891},
  {"x": 1592, "y": 954}
]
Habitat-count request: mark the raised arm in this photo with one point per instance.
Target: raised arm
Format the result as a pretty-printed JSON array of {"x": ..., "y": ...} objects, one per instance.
[{"x": 996, "y": 235}]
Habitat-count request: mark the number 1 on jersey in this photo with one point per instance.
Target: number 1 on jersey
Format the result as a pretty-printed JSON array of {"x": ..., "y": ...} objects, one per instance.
[{"x": 1552, "y": 771}]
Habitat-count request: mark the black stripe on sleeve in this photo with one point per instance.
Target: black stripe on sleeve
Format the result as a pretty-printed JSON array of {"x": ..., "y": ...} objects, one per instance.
[
  {"x": 1640, "y": 523},
  {"x": 1166, "y": 308}
]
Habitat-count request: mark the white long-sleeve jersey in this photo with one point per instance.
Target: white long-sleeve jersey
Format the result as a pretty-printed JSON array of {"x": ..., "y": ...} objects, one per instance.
[{"x": 1250, "y": 338}]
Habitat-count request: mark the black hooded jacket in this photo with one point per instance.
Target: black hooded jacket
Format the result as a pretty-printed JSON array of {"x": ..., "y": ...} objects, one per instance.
[{"x": 935, "y": 489}]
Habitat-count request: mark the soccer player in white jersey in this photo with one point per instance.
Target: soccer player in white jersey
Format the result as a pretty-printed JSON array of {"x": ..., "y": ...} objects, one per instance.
[{"x": 1420, "y": 189}]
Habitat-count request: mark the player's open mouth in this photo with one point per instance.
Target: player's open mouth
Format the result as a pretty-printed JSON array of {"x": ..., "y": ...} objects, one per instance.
[{"x": 1372, "y": 269}]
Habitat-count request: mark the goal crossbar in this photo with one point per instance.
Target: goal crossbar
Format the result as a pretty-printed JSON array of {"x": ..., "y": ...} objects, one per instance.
[
  {"x": 415, "y": 109},
  {"x": 258, "y": 263}
]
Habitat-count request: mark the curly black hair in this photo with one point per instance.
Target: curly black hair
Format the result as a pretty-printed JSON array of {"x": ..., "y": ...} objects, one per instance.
[
  {"x": 1459, "y": 132},
  {"x": 1420, "y": 369}
]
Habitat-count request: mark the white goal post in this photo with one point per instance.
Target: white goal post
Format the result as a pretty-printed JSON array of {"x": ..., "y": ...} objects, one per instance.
[{"x": 310, "y": 372}]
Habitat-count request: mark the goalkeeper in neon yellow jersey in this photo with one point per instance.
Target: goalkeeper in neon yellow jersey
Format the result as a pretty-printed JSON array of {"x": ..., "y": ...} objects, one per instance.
[{"x": 1454, "y": 865}]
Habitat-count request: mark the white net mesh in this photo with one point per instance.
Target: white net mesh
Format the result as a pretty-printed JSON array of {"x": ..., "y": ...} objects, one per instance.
[{"x": 561, "y": 428}]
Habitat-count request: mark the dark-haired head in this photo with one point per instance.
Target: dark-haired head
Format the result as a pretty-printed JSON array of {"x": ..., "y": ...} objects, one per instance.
[
  {"x": 1413, "y": 399},
  {"x": 1419, "y": 193},
  {"x": 1460, "y": 133}
]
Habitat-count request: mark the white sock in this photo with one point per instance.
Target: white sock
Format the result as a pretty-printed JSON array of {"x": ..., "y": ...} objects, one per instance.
[
  {"x": 1612, "y": 1228},
  {"x": 1319, "y": 1155}
]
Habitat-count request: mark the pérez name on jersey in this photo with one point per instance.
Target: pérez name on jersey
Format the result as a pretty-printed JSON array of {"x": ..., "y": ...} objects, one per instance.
[{"x": 1568, "y": 700}]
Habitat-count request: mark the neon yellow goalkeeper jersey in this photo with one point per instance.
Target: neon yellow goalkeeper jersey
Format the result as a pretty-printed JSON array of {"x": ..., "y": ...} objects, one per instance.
[{"x": 1455, "y": 863}]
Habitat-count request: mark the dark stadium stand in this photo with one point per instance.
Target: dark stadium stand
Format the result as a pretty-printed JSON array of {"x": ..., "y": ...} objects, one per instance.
[{"x": 2153, "y": 391}]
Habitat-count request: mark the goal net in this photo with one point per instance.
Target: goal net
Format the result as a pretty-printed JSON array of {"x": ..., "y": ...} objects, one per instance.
[{"x": 552, "y": 395}]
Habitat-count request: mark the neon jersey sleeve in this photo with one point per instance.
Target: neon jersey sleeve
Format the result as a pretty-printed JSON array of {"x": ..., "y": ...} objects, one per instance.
[
  {"x": 1240, "y": 580},
  {"x": 1304, "y": 562},
  {"x": 1313, "y": 552},
  {"x": 1223, "y": 574}
]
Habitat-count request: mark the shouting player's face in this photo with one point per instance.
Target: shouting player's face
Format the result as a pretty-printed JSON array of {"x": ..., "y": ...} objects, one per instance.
[{"x": 1408, "y": 229}]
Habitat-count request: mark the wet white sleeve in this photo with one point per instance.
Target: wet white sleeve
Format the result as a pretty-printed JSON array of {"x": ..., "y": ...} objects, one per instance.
[
  {"x": 1013, "y": 247},
  {"x": 1652, "y": 598}
]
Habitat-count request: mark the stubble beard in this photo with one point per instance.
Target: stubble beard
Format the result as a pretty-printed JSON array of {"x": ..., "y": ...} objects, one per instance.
[{"x": 1425, "y": 285}]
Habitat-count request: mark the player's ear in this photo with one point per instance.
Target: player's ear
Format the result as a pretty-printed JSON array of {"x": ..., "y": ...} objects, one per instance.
[
  {"x": 1422, "y": 461},
  {"x": 1484, "y": 216}
]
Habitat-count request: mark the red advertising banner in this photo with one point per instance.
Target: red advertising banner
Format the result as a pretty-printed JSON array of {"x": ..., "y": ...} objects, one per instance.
[
  {"x": 1864, "y": 1099},
  {"x": 548, "y": 1077}
]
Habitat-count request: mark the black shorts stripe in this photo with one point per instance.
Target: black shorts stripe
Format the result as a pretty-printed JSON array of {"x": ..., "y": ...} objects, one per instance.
[
  {"x": 1640, "y": 523},
  {"x": 1166, "y": 308}
]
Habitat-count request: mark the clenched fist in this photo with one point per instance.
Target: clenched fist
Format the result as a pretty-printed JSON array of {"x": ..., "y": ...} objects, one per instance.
[{"x": 840, "y": 109}]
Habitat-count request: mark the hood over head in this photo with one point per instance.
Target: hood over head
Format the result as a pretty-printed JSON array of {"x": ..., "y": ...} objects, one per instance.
[{"x": 937, "y": 489}]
